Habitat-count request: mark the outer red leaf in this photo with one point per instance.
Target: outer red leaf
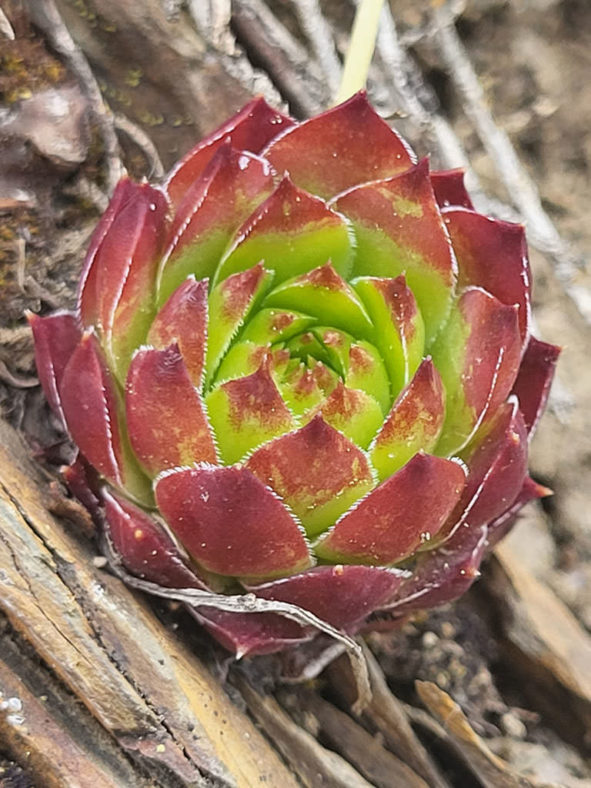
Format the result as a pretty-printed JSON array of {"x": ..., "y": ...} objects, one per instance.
[
  {"x": 84, "y": 484},
  {"x": 497, "y": 466},
  {"x": 251, "y": 633},
  {"x": 87, "y": 285},
  {"x": 230, "y": 522},
  {"x": 488, "y": 375},
  {"x": 496, "y": 488},
  {"x": 145, "y": 547},
  {"x": 183, "y": 319},
  {"x": 492, "y": 254},
  {"x": 532, "y": 385},
  {"x": 501, "y": 526},
  {"x": 399, "y": 229},
  {"x": 250, "y": 129},
  {"x": 166, "y": 418},
  {"x": 233, "y": 184},
  {"x": 56, "y": 338},
  {"x": 341, "y": 595},
  {"x": 340, "y": 148},
  {"x": 91, "y": 407},
  {"x": 478, "y": 356},
  {"x": 443, "y": 574},
  {"x": 126, "y": 267},
  {"x": 398, "y": 516},
  {"x": 449, "y": 189}
]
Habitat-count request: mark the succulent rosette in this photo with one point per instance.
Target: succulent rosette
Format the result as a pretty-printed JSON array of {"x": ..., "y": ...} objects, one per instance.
[{"x": 301, "y": 368}]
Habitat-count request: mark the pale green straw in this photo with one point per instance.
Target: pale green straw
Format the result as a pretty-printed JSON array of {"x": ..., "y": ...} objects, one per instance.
[{"x": 361, "y": 48}]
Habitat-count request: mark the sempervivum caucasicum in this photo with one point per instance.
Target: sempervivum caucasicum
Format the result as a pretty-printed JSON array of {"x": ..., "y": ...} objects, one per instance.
[{"x": 300, "y": 368}]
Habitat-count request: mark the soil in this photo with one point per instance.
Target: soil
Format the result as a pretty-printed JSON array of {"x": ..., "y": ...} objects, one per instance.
[{"x": 533, "y": 60}]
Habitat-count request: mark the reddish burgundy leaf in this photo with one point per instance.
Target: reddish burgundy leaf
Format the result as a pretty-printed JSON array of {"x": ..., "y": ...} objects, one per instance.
[
  {"x": 294, "y": 466},
  {"x": 145, "y": 547},
  {"x": 56, "y": 338},
  {"x": 493, "y": 255},
  {"x": 92, "y": 408},
  {"x": 478, "y": 356},
  {"x": 444, "y": 574},
  {"x": 492, "y": 330},
  {"x": 166, "y": 419},
  {"x": 87, "y": 288},
  {"x": 500, "y": 527},
  {"x": 251, "y": 633},
  {"x": 183, "y": 319},
  {"x": 250, "y": 129},
  {"x": 340, "y": 595},
  {"x": 399, "y": 229},
  {"x": 230, "y": 522},
  {"x": 497, "y": 466},
  {"x": 231, "y": 187},
  {"x": 340, "y": 148},
  {"x": 414, "y": 422},
  {"x": 534, "y": 379},
  {"x": 406, "y": 510},
  {"x": 126, "y": 264},
  {"x": 90, "y": 405},
  {"x": 449, "y": 189},
  {"x": 84, "y": 484}
]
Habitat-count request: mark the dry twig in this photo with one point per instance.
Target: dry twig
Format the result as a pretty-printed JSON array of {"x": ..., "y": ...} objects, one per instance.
[
  {"x": 46, "y": 16},
  {"x": 521, "y": 188},
  {"x": 300, "y": 80},
  {"x": 319, "y": 34},
  {"x": 139, "y": 137}
]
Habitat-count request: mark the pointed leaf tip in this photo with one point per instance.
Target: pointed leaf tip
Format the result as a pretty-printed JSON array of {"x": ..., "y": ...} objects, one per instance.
[
  {"x": 246, "y": 412},
  {"x": 56, "y": 337},
  {"x": 145, "y": 547},
  {"x": 344, "y": 146},
  {"x": 166, "y": 418},
  {"x": 406, "y": 510},
  {"x": 223, "y": 515},
  {"x": 183, "y": 319},
  {"x": 295, "y": 464},
  {"x": 250, "y": 129},
  {"x": 293, "y": 232}
]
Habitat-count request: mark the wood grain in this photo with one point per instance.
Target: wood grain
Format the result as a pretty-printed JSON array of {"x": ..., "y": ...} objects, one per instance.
[{"x": 142, "y": 685}]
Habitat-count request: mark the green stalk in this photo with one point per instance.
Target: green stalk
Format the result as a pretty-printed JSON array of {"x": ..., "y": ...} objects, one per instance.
[{"x": 361, "y": 47}]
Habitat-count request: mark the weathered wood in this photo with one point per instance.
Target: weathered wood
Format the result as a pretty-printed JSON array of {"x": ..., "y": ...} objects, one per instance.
[
  {"x": 366, "y": 752},
  {"x": 39, "y": 721},
  {"x": 492, "y": 772},
  {"x": 386, "y": 715},
  {"x": 314, "y": 764},
  {"x": 544, "y": 645},
  {"x": 135, "y": 677}
]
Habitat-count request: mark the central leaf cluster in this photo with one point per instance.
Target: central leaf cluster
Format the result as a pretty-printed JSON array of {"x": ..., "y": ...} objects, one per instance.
[{"x": 313, "y": 337}]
